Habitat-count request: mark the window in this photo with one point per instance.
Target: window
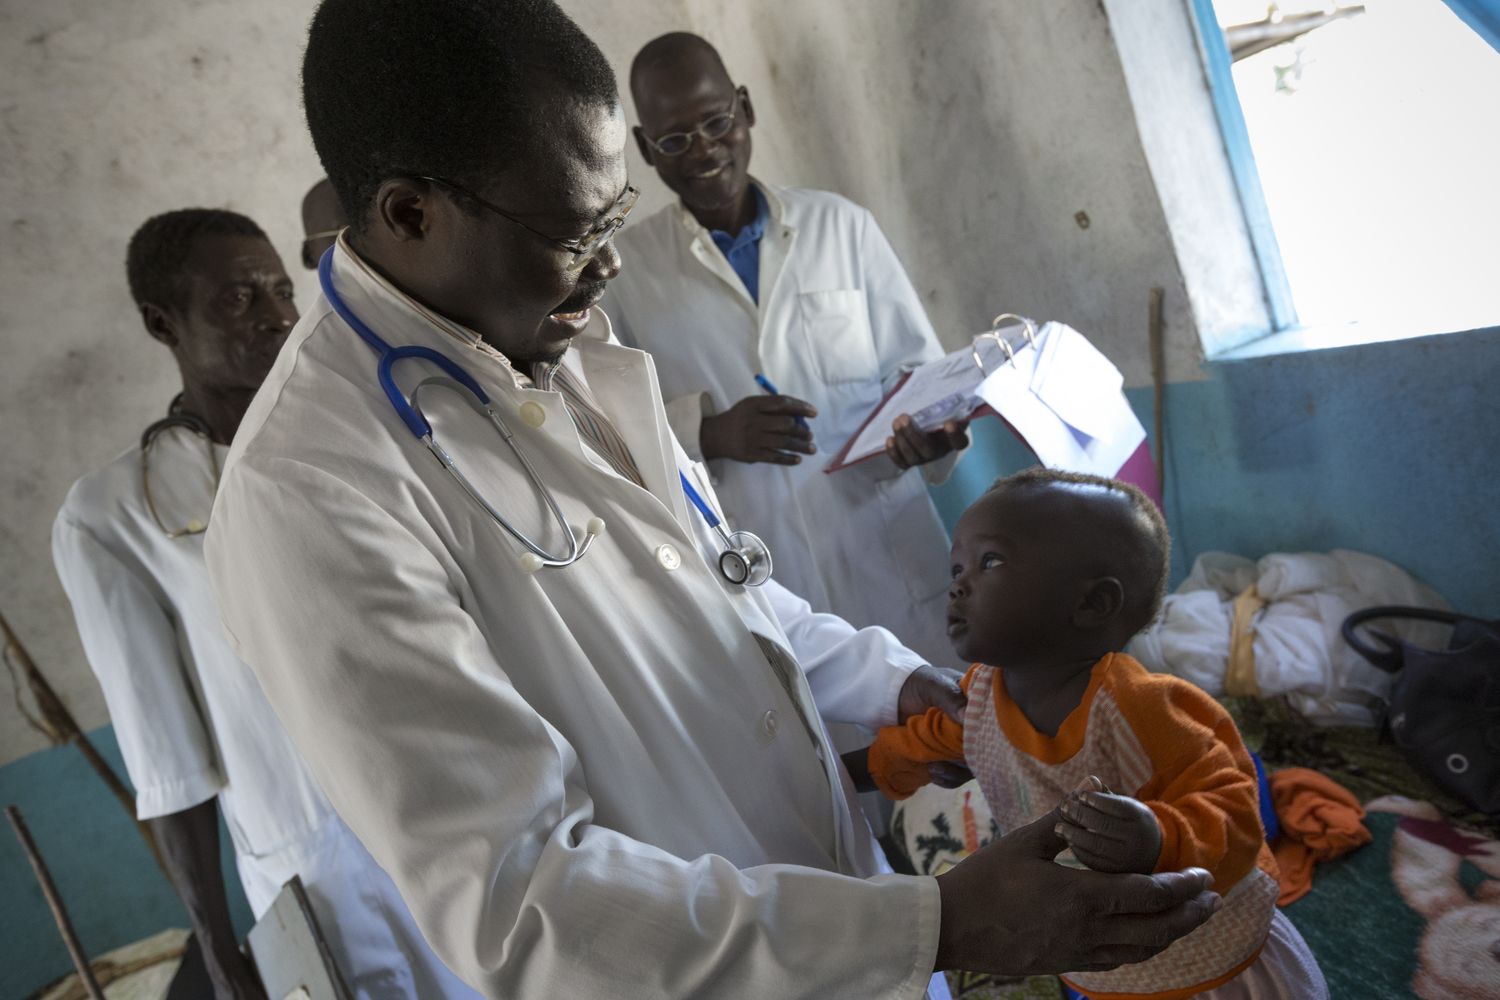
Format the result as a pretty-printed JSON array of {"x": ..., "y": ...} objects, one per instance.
[{"x": 1364, "y": 142}]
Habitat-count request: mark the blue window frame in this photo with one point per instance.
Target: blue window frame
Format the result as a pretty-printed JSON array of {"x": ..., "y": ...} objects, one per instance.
[
  {"x": 1226, "y": 100},
  {"x": 1355, "y": 266}
]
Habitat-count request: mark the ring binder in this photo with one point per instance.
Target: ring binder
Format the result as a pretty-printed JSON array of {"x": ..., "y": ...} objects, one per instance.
[
  {"x": 993, "y": 333},
  {"x": 940, "y": 390}
]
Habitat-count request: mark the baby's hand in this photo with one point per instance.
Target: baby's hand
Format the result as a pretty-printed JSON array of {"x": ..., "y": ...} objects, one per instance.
[{"x": 1110, "y": 833}]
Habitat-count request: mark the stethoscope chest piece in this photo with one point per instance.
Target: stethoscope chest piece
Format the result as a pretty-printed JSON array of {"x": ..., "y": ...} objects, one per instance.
[{"x": 746, "y": 560}]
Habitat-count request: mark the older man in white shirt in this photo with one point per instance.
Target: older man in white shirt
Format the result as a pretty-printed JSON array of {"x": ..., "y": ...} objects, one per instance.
[
  {"x": 192, "y": 722},
  {"x": 596, "y": 773},
  {"x": 740, "y": 278}
]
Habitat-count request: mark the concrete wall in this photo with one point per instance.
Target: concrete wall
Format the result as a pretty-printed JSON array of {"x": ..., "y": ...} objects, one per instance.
[{"x": 975, "y": 131}]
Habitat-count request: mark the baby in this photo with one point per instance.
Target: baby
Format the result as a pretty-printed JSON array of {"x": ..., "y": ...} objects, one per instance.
[{"x": 1053, "y": 573}]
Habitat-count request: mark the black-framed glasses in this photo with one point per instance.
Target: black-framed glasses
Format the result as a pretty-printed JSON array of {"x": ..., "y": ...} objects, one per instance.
[
  {"x": 583, "y": 248},
  {"x": 713, "y": 127}
]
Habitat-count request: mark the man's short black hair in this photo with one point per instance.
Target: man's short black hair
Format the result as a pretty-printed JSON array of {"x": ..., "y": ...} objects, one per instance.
[
  {"x": 670, "y": 50},
  {"x": 1145, "y": 547},
  {"x": 156, "y": 260},
  {"x": 441, "y": 88}
]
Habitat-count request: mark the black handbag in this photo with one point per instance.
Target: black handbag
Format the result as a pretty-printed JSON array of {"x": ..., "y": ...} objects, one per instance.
[{"x": 1444, "y": 710}]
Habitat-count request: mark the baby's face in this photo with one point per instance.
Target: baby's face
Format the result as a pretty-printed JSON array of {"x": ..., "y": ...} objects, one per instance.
[{"x": 1016, "y": 580}]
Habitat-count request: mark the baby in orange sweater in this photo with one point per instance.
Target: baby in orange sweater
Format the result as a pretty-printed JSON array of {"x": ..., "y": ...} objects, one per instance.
[{"x": 1052, "y": 574}]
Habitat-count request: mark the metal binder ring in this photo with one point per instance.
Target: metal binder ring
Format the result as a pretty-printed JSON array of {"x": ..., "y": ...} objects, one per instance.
[
  {"x": 993, "y": 333},
  {"x": 1027, "y": 327}
]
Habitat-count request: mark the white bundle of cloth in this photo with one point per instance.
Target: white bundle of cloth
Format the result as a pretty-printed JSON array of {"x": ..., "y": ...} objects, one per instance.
[{"x": 1291, "y": 608}]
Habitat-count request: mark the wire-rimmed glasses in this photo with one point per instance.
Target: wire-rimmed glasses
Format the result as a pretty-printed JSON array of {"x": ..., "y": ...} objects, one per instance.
[
  {"x": 713, "y": 127},
  {"x": 583, "y": 248}
]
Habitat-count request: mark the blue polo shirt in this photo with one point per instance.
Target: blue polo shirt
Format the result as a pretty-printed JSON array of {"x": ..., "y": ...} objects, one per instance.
[{"x": 742, "y": 250}]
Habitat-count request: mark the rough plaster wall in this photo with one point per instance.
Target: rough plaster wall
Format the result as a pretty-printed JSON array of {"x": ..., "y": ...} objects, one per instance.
[
  {"x": 107, "y": 120},
  {"x": 112, "y": 113},
  {"x": 974, "y": 130}
]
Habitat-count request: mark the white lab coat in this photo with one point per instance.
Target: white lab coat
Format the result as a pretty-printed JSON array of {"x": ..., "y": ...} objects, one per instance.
[
  {"x": 587, "y": 781},
  {"x": 838, "y": 319},
  {"x": 193, "y": 723}
]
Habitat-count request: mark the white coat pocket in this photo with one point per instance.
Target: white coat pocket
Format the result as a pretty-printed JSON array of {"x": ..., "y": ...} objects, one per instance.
[{"x": 836, "y": 326}]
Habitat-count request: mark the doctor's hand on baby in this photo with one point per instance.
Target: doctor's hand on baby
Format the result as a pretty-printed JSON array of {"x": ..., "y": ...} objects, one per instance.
[
  {"x": 1009, "y": 909},
  {"x": 760, "y": 429},
  {"x": 910, "y": 446},
  {"x": 924, "y": 688},
  {"x": 1108, "y": 832}
]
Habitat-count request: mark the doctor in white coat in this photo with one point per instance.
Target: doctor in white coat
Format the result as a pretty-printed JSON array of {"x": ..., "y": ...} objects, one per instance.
[
  {"x": 192, "y": 722},
  {"x": 741, "y": 278},
  {"x": 601, "y": 773}
]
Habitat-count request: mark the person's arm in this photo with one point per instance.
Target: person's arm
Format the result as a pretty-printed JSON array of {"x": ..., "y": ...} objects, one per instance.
[
  {"x": 757, "y": 429},
  {"x": 132, "y": 647},
  {"x": 1056, "y": 919},
  {"x": 1208, "y": 804},
  {"x": 686, "y": 416},
  {"x": 901, "y": 758},
  {"x": 189, "y": 842},
  {"x": 754, "y": 429},
  {"x": 864, "y": 676},
  {"x": 1200, "y": 807},
  {"x": 904, "y": 339}
]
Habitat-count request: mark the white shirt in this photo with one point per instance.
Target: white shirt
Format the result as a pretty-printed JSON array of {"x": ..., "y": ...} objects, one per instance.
[
  {"x": 192, "y": 721},
  {"x": 190, "y": 717},
  {"x": 587, "y": 781},
  {"x": 837, "y": 321}
]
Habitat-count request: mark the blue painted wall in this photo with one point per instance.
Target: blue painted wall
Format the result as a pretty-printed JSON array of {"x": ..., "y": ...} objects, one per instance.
[
  {"x": 113, "y": 889},
  {"x": 1390, "y": 448}
]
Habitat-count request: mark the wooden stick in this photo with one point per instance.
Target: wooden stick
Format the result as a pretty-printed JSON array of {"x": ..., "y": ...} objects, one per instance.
[
  {"x": 59, "y": 726},
  {"x": 1159, "y": 382},
  {"x": 54, "y": 901}
]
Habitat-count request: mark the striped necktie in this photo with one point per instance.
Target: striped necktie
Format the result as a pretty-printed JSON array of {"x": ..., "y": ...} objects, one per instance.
[{"x": 588, "y": 418}]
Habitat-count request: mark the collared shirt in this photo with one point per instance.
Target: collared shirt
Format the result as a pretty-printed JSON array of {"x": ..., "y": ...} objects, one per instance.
[{"x": 742, "y": 249}]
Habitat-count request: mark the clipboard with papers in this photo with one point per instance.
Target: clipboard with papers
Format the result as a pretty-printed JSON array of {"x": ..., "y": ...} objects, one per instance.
[
  {"x": 941, "y": 390},
  {"x": 1057, "y": 392}
]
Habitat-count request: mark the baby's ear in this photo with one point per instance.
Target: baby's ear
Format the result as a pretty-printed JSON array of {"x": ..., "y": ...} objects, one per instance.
[{"x": 1101, "y": 602}]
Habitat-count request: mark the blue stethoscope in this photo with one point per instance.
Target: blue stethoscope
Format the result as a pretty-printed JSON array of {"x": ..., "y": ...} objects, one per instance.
[{"x": 745, "y": 560}]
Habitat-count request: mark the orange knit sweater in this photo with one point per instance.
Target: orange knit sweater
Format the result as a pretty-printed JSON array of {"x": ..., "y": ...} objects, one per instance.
[{"x": 1153, "y": 737}]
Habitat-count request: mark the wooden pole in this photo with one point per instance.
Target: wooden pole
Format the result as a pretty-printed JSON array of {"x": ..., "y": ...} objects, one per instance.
[
  {"x": 59, "y": 726},
  {"x": 1159, "y": 383},
  {"x": 54, "y": 901}
]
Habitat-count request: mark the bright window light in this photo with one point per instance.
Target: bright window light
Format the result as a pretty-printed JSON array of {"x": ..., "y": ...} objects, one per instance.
[{"x": 1377, "y": 141}]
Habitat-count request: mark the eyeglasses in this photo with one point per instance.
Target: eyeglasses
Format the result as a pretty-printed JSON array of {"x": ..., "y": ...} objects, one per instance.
[
  {"x": 711, "y": 128},
  {"x": 584, "y": 248}
]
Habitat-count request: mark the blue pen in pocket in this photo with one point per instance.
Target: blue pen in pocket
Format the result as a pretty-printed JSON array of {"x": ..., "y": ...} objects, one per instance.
[{"x": 771, "y": 390}]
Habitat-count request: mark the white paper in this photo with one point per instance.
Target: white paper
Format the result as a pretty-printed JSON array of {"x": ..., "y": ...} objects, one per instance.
[
  {"x": 1067, "y": 402},
  {"x": 933, "y": 394}
]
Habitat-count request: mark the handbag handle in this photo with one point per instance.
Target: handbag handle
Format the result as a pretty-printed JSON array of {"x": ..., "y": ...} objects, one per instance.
[{"x": 1389, "y": 658}]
